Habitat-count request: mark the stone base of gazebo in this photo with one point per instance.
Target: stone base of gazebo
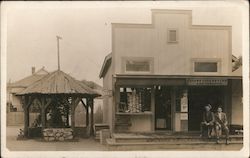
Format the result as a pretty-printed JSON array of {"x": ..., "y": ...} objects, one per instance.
[{"x": 58, "y": 134}]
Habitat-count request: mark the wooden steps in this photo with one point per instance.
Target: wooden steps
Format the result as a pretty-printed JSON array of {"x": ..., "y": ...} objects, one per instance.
[
  {"x": 98, "y": 128},
  {"x": 128, "y": 141}
]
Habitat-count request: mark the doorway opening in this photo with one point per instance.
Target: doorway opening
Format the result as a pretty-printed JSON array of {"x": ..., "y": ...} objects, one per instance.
[
  {"x": 163, "y": 108},
  {"x": 198, "y": 97}
]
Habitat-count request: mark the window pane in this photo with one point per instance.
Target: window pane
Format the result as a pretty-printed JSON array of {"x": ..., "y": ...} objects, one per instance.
[
  {"x": 172, "y": 35},
  {"x": 135, "y": 100},
  {"x": 137, "y": 65},
  {"x": 205, "y": 67}
]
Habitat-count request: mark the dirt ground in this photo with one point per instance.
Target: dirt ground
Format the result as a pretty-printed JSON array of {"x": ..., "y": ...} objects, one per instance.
[
  {"x": 81, "y": 145},
  {"x": 36, "y": 145}
]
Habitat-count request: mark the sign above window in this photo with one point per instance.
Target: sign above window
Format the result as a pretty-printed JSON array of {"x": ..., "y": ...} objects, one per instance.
[{"x": 207, "y": 82}]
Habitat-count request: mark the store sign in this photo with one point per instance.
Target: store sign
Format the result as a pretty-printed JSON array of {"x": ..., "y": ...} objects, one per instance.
[
  {"x": 107, "y": 92},
  {"x": 184, "y": 116},
  {"x": 207, "y": 82}
]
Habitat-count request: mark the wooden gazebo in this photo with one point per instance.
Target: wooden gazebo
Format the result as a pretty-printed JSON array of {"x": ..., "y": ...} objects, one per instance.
[{"x": 58, "y": 87}]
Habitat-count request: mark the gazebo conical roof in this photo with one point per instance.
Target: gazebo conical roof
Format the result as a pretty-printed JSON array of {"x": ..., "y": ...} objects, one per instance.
[{"x": 59, "y": 82}]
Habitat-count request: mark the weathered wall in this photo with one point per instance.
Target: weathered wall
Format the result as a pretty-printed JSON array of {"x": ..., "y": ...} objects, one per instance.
[{"x": 143, "y": 40}]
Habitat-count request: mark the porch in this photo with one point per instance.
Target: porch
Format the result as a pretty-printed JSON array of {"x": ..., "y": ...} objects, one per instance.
[
  {"x": 171, "y": 103},
  {"x": 170, "y": 141}
]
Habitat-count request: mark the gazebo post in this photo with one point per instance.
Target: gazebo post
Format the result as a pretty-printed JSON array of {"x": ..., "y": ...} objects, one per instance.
[
  {"x": 26, "y": 120},
  {"x": 67, "y": 118},
  {"x": 43, "y": 117},
  {"x": 72, "y": 115},
  {"x": 87, "y": 115},
  {"x": 91, "y": 105},
  {"x": 27, "y": 101}
]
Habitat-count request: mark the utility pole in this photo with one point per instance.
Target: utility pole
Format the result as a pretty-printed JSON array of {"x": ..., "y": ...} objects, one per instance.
[{"x": 58, "y": 51}]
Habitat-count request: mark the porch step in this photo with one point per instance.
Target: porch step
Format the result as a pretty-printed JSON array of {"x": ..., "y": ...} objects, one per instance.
[
  {"x": 155, "y": 141},
  {"x": 186, "y": 145},
  {"x": 130, "y": 138}
]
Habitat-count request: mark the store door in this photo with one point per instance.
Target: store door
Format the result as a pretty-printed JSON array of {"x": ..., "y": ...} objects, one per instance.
[
  {"x": 162, "y": 108},
  {"x": 198, "y": 97}
]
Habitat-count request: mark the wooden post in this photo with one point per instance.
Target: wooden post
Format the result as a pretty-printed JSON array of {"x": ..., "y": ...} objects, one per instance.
[
  {"x": 153, "y": 108},
  {"x": 227, "y": 90},
  {"x": 67, "y": 118},
  {"x": 87, "y": 115},
  {"x": 73, "y": 114},
  {"x": 68, "y": 107},
  {"x": 91, "y": 105},
  {"x": 173, "y": 106},
  {"x": 26, "y": 120},
  {"x": 27, "y": 101},
  {"x": 43, "y": 117}
]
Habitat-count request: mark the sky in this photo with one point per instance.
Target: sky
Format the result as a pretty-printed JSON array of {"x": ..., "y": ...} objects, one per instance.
[{"x": 85, "y": 27}]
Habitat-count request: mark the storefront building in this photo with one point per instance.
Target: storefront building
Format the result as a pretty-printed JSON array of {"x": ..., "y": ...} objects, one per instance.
[{"x": 160, "y": 76}]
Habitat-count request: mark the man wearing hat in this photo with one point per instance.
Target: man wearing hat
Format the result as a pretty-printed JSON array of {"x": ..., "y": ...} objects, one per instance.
[
  {"x": 208, "y": 122},
  {"x": 221, "y": 124}
]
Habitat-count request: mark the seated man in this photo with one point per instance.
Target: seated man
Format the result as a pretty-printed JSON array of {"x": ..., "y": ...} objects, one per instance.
[
  {"x": 208, "y": 122},
  {"x": 221, "y": 124}
]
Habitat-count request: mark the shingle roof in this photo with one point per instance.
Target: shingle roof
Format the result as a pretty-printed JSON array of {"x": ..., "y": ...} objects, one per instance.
[
  {"x": 25, "y": 82},
  {"x": 96, "y": 87},
  {"x": 58, "y": 82}
]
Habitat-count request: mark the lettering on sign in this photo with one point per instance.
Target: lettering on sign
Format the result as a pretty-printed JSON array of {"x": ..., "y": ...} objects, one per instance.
[{"x": 207, "y": 82}]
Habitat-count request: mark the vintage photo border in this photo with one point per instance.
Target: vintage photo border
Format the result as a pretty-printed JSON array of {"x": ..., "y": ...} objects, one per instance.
[{"x": 139, "y": 154}]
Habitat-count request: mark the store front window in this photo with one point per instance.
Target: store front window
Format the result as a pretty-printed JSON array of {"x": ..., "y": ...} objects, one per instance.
[{"x": 134, "y": 100}]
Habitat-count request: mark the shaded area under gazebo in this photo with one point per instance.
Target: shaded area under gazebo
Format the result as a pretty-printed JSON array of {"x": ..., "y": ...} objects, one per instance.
[{"x": 56, "y": 92}]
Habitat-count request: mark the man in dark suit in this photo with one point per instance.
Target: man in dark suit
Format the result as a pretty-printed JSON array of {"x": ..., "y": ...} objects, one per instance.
[
  {"x": 207, "y": 123},
  {"x": 221, "y": 124}
]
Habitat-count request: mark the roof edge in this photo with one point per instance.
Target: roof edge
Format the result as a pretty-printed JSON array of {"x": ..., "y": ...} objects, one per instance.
[{"x": 105, "y": 65}]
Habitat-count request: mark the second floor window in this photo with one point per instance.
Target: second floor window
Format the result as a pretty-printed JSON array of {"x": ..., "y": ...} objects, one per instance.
[
  {"x": 205, "y": 67},
  {"x": 172, "y": 36},
  {"x": 137, "y": 65}
]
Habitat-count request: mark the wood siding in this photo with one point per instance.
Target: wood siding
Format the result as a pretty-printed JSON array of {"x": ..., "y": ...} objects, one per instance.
[{"x": 194, "y": 42}]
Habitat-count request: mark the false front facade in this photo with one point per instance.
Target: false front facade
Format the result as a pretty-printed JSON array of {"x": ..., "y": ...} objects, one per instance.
[{"x": 160, "y": 76}]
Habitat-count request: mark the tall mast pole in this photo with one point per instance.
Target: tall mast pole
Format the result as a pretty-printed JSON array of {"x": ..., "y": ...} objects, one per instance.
[{"x": 58, "y": 51}]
